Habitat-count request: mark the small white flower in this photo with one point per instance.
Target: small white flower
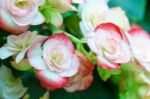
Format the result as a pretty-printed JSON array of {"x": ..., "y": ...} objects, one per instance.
[{"x": 18, "y": 45}]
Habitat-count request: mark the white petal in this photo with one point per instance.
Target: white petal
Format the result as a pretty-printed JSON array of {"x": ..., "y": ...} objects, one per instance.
[
  {"x": 91, "y": 42},
  {"x": 39, "y": 19},
  {"x": 5, "y": 53},
  {"x": 35, "y": 56},
  {"x": 51, "y": 80},
  {"x": 20, "y": 56},
  {"x": 102, "y": 61},
  {"x": 73, "y": 70}
]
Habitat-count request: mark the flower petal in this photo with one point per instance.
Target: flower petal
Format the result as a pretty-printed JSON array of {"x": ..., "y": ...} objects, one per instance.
[
  {"x": 110, "y": 27},
  {"x": 39, "y": 19},
  {"x": 50, "y": 80},
  {"x": 5, "y": 52},
  {"x": 138, "y": 31},
  {"x": 20, "y": 56},
  {"x": 91, "y": 41},
  {"x": 117, "y": 16},
  {"x": 7, "y": 23},
  {"x": 73, "y": 70},
  {"x": 34, "y": 55},
  {"x": 86, "y": 66},
  {"x": 86, "y": 82},
  {"x": 63, "y": 38},
  {"x": 103, "y": 62}
]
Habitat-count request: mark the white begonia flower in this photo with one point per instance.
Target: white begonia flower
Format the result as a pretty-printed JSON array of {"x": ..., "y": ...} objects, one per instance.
[
  {"x": 17, "y": 45},
  {"x": 17, "y": 15},
  {"x": 110, "y": 45},
  {"x": 140, "y": 46},
  {"x": 95, "y": 12}
]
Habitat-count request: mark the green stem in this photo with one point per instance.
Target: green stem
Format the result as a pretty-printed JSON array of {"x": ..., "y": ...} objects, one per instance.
[{"x": 72, "y": 37}]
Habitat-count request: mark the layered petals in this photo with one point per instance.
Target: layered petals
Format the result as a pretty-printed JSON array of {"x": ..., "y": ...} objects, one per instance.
[
  {"x": 17, "y": 15},
  {"x": 139, "y": 42},
  {"x": 95, "y": 12},
  {"x": 17, "y": 46},
  {"x": 6, "y": 23},
  {"x": 55, "y": 60},
  {"x": 110, "y": 44},
  {"x": 51, "y": 80},
  {"x": 83, "y": 79}
]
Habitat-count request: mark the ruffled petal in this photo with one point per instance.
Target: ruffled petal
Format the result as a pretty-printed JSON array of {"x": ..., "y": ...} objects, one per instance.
[
  {"x": 86, "y": 82},
  {"x": 103, "y": 62},
  {"x": 20, "y": 56},
  {"x": 34, "y": 55},
  {"x": 50, "y": 80},
  {"x": 91, "y": 41},
  {"x": 5, "y": 52},
  {"x": 39, "y": 19},
  {"x": 63, "y": 38},
  {"x": 73, "y": 70},
  {"x": 7, "y": 23}
]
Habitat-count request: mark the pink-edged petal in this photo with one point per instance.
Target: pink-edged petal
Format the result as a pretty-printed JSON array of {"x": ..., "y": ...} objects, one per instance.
[
  {"x": 5, "y": 52},
  {"x": 74, "y": 83},
  {"x": 50, "y": 80},
  {"x": 78, "y": 83},
  {"x": 34, "y": 55},
  {"x": 69, "y": 1},
  {"x": 74, "y": 87},
  {"x": 110, "y": 27},
  {"x": 104, "y": 63},
  {"x": 122, "y": 55},
  {"x": 86, "y": 66},
  {"x": 56, "y": 19},
  {"x": 7, "y": 24},
  {"x": 73, "y": 70},
  {"x": 86, "y": 82},
  {"x": 139, "y": 32},
  {"x": 39, "y": 19},
  {"x": 63, "y": 38}
]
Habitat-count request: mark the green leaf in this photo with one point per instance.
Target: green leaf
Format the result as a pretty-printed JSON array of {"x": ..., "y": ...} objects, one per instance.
[
  {"x": 10, "y": 88},
  {"x": 47, "y": 14},
  {"x": 135, "y": 9},
  {"x": 106, "y": 74},
  {"x": 72, "y": 25},
  {"x": 35, "y": 90}
]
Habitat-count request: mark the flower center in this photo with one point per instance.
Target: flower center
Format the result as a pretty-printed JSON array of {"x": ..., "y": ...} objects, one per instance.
[
  {"x": 96, "y": 18},
  {"x": 21, "y": 3},
  {"x": 56, "y": 57},
  {"x": 109, "y": 45}
]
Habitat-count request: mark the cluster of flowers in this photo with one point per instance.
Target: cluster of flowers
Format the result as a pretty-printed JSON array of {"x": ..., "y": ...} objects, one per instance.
[{"x": 56, "y": 62}]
